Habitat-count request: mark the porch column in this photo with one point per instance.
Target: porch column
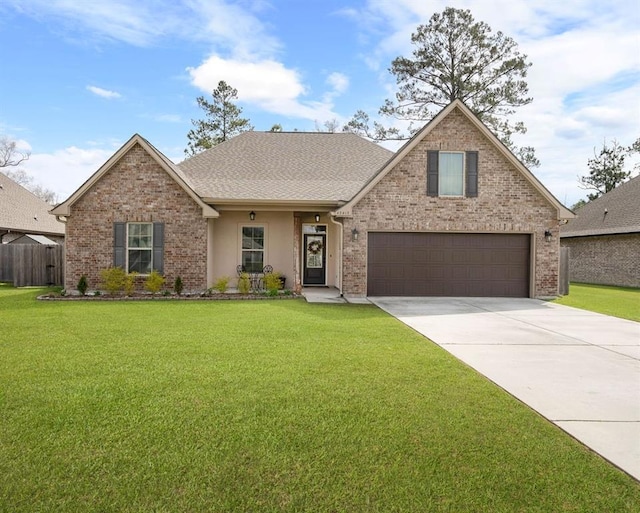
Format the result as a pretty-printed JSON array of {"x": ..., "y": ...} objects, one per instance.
[{"x": 297, "y": 233}]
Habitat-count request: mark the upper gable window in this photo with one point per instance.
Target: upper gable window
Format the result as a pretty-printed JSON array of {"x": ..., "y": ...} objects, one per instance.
[{"x": 452, "y": 173}]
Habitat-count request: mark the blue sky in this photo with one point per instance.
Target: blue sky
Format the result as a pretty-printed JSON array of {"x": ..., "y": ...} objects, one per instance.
[{"x": 85, "y": 75}]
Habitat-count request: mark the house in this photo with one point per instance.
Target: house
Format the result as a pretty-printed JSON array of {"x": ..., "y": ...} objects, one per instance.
[
  {"x": 452, "y": 213},
  {"x": 22, "y": 213},
  {"x": 604, "y": 238}
]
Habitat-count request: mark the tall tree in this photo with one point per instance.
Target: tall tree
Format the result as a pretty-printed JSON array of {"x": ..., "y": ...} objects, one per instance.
[
  {"x": 606, "y": 169},
  {"x": 12, "y": 157},
  {"x": 457, "y": 57},
  {"x": 222, "y": 120}
]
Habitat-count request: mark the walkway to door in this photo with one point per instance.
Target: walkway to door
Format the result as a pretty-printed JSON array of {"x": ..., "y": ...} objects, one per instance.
[{"x": 579, "y": 369}]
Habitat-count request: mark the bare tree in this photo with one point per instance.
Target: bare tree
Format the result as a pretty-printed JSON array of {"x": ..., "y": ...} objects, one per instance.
[{"x": 10, "y": 156}]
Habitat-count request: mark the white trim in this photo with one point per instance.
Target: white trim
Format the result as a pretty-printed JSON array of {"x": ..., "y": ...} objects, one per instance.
[
  {"x": 464, "y": 174},
  {"x": 265, "y": 245},
  {"x": 126, "y": 247}
]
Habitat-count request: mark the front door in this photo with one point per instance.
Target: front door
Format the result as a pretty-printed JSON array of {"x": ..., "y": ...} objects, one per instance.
[{"x": 315, "y": 265}]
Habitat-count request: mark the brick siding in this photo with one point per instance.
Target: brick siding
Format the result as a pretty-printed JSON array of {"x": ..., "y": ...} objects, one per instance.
[
  {"x": 605, "y": 259},
  {"x": 506, "y": 202},
  {"x": 136, "y": 189}
]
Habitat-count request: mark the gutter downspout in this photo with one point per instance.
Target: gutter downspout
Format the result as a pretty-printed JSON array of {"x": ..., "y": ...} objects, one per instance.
[{"x": 341, "y": 230}]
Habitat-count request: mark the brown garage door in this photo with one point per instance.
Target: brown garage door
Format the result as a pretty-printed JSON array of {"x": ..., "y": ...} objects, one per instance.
[{"x": 448, "y": 264}]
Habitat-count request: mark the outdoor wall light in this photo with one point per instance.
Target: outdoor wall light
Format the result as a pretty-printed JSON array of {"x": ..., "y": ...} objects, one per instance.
[
  {"x": 547, "y": 235},
  {"x": 252, "y": 215},
  {"x": 354, "y": 234},
  {"x": 317, "y": 218}
]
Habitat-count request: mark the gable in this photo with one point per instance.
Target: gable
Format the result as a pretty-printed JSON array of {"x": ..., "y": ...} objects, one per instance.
[
  {"x": 143, "y": 151},
  {"x": 457, "y": 129}
]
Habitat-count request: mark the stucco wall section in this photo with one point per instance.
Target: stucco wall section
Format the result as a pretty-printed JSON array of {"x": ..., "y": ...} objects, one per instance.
[
  {"x": 605, "y": 259},
  {"x": 136, "y": 189},
  {"x": 506, "y": 202}
]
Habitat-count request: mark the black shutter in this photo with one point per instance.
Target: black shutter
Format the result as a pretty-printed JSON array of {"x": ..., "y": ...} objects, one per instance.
[
  {"x": 119, "y": 235},
  {"x": 432, "y": 173},
  {"x": 158, "y": 247},
  {"x": 472, "y": 174}
]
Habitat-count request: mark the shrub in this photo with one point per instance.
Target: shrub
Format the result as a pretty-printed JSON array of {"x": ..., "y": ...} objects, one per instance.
[
  {"x": 130, "y": 283},
  {"x": 113, "y": 279},
  {"x": 154, "y": 282},
  {"x": 244, "y": 284},
  {"x": 222, "y": 284},
  {"x": 178, "y": 286},
  {"x": 83, "y": 285},
  {"x": 272, "y": 283}
]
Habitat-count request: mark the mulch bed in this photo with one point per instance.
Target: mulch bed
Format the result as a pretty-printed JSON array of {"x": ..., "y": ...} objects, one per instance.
[{"x": 161, "y": 297}]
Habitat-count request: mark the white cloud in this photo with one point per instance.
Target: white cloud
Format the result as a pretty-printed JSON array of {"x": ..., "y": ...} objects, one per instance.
[
  {"x": 144, "y": 22},
  {"x": 63, "y": 171},
  {"x": 103, "y": 93},
  {"x": 267, "y": 84},
  {"x": 339, "y": 82}
]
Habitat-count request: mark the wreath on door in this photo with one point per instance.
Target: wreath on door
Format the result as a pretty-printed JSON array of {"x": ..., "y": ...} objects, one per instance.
[{"x": 314, "y": 247}]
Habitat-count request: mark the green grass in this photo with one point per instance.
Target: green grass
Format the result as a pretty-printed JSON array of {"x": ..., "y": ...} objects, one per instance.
[
  {"x": 617, "y": 301},
  {"x": 172, "y": 406}
]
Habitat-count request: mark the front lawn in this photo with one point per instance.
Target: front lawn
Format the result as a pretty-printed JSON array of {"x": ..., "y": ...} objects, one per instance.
[
  {"x": 617, "y": 301},
  {"x": 255, "y": 406}
]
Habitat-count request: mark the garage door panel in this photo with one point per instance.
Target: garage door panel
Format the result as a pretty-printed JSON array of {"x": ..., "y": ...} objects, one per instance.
[{"x": 448, "y": 264}]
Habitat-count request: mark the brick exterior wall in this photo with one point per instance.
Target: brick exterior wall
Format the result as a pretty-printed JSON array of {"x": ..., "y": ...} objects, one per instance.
[
  {"x": 136, "y": 189},
  {"x": 605, "y": 259},
  {"x": 506, "y": 202}
]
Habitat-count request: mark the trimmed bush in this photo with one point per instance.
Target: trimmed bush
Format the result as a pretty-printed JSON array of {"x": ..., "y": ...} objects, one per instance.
[
  {"x": 83, "y": 285},
  {"x": 130, "y": 283},
  {"x": 244, "y": 284},
  {"x": 154, "y": 282},
  {"x": 222, "y": 284},
  {"x": 272, "y": 283},
  {"x": 113, "y": 279},
  {"x": 178, "y": 286}
]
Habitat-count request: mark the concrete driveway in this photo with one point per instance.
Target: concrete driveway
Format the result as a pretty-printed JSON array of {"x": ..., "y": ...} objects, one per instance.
[{"x": 579, "y": 369}]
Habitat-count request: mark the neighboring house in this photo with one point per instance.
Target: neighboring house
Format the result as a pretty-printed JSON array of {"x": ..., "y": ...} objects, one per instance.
[
  {"x": 22, "y": 213},
  {"x": 452, "y": 213},
  {"x": 604, "y": 238}
]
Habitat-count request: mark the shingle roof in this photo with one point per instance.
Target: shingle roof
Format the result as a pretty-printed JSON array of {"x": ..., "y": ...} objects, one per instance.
[
  {"x": 288, "y": 166},
  {"x": 22, "y": 211},
  {"x": 622, "y": 207}
]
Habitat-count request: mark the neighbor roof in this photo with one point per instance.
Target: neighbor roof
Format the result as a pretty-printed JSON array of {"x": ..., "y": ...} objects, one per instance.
[
  {"x": 617, "y": 211},
  {"x": 285, "y": 167},
  {"x": 22, "y": 211}
]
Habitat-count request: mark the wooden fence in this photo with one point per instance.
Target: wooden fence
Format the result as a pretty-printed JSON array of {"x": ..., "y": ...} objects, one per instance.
[{"x": 32, "y": 264}]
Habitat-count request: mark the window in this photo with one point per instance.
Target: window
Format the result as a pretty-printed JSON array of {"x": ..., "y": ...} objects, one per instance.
[
  {"x": 253, "y": 248},
  {"x": 452, "y": 173},
  {"x": 139, "y": 247}
]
